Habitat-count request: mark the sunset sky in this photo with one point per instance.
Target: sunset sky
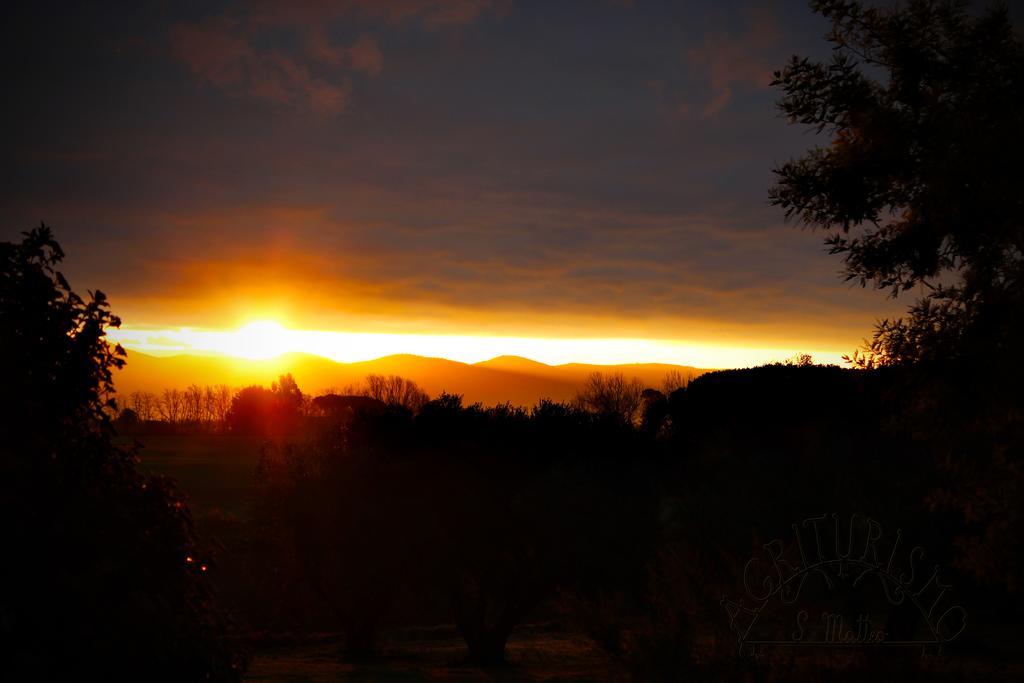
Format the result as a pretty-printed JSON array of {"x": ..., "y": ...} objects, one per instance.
[{"x": 464, "y": 179}]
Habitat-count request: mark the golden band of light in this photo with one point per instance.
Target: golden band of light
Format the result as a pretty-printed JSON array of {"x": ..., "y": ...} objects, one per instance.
[{"x": 268, "y": 339}]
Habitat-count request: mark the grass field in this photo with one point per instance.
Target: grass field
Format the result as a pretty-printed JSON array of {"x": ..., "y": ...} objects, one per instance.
[{"x": 214, "y": 470}]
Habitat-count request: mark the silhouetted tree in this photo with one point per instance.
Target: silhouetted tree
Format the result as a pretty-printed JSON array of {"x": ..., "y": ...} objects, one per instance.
[
  {"x": 144, "y": 404},
  {"x": 216, "y": 403},
  {"x": 192, "y": 404},
  {"x": 266, "y": 412},
  {"x": 924, "y": 105},
  {"x": 612, "y": 394},
  {"x": 170, "y": 406},
  {"x": 653, "y": 411},
  {"x": 674, "y": 380},
  {"x": 101, "y": 574},
  {"x": 287, "y": 393},
  {"x": 343, "y": 408},
  {"x": 394, "y": 390}
]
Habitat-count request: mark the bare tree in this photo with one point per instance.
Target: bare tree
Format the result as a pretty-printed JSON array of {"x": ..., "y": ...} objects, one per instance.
[
  {"x": 202, "y": 405},
  {"x": 394, "y": 390},
  {"x": 149, "y": 403},
  {"x": 171, "y": 406},
  {"x": 675, "y": 380},
  {"x": 612, "y": 394},
  {"x": 144, "y": 404},
  {"x": 223, "y": 403},
  {"x": 209, "y": 399},
  {"x": 192, "y": 404}
]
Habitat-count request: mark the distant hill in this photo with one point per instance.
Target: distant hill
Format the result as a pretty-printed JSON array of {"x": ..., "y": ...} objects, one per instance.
[{"x": 519, "y": 381}]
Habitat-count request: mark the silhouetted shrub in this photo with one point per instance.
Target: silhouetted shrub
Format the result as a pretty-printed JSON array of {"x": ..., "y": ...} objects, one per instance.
[{"x": 922, "y": 102}]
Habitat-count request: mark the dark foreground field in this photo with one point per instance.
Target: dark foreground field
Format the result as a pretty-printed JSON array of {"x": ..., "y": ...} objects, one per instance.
[
  {"x": 536, "y": 653},
  {"x": 216, "y": 472},
  {"x": 539, "y": 652}
]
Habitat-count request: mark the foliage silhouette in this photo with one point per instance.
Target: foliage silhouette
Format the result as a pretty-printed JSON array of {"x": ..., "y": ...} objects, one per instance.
[
  {"x": 102, "y": 576},
  {"x": 612, "y": 394},
  {"x": 395, "y": 390},
  {"x": 343, "y": 408},
  {"x": 272, "y": 412},
  {"x": 924, "y": 104}
]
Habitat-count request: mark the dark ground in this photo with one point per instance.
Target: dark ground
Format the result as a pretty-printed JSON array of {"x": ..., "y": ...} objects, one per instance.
[
  {"x": 537, "y": 652},
  {"x": 216, "y": 473}
]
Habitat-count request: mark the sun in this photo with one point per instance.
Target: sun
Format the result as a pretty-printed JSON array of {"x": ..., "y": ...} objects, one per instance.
[{"x": 260, "y": 339}]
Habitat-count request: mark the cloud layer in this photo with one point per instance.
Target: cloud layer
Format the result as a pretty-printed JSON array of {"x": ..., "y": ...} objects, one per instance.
[{"x": 466, "y": 165}]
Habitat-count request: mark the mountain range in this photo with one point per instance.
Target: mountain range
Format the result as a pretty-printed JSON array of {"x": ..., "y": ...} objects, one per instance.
[{"x": 512, "y": 379}]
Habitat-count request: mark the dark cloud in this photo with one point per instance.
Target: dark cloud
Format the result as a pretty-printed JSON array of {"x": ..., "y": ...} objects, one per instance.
[
  {"x": 743, "y": 57},
  {"x": 223, "y": 56},
  {"x": 286, "y": 53}
]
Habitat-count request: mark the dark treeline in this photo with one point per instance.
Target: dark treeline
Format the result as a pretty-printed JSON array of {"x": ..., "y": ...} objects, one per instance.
[
  {"x": 254, "y": 410},
  {"x": 284, "y": 410}
]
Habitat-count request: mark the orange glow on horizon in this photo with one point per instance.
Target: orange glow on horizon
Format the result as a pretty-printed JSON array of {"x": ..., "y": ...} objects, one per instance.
[{"x": 266, "y": 339}]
